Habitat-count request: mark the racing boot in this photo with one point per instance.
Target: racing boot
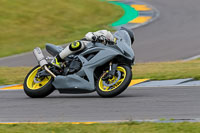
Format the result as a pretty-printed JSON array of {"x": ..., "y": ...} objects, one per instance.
[{"x": 57, "y": 62}]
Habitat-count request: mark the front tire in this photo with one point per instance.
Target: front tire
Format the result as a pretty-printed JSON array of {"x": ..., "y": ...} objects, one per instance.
[
  {"x": 37, "y": 89},
  {"x": 117, "y": 84}
]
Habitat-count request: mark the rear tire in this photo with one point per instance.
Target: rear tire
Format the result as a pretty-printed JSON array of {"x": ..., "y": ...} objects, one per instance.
[
  {"x": 40, "y": 92},
  {"x": 119, "y": 89}
]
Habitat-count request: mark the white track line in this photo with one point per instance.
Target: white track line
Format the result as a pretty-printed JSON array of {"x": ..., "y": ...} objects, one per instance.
[{"x": 192, "y": 58}]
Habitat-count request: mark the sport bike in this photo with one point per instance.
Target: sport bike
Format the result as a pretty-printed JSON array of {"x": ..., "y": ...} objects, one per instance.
[{"x": 102, "y": 68}]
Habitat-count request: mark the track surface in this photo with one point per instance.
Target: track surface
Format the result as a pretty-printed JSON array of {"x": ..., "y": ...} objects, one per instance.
[
  {"x": 174, "y": 35},
  {"x": 137, "y": 103}
]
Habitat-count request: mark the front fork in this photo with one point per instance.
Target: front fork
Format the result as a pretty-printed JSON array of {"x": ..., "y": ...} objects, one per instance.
[
  {"x": 112, "y": 70},
  {"x": 42, "y": 61}
]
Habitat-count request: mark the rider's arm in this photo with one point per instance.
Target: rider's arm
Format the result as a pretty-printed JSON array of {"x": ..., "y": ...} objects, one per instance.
[{"x": 102, "y": 36}]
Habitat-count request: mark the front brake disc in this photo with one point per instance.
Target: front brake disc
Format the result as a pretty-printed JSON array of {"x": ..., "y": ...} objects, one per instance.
[{"x": 118, "y": 78}]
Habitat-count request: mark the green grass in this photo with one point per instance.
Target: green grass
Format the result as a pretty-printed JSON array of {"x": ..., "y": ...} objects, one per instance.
[
  {"x": 167, "y": 70},
  {"x": 154, "y": 71},
  {"x": 25, "y": 24},
  {"x": 131, "y": 127},
  {"x": 13, "y": 75}
]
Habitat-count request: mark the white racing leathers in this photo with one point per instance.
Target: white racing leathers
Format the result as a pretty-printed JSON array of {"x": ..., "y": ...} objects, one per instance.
[{"x": 80, "y": 45}]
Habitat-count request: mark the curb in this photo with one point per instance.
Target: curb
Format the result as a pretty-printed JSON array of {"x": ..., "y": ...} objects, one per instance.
[
  {"x": 20, "y": 86},
  {"x": 104, "y": 122},
  {"x": 169, "y": 83},
  {"x": 134, "y": 83},
  {"x": 146, "y": 13}
]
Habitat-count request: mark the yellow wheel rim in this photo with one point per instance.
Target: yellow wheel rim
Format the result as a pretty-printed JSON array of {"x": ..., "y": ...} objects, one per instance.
[
  {"x": 34, "y": 86},
  {"x": 113, "y": 80}
]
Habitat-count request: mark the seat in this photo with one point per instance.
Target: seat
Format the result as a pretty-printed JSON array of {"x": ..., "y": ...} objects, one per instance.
[{"x": 53, "y": 49}]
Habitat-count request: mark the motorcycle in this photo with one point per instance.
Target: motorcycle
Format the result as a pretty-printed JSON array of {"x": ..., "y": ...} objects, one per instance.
[{"x": 106, "y": 69}]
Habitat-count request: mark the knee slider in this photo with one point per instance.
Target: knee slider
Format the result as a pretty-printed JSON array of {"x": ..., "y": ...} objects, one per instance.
[{"x": 75, "y": 46}]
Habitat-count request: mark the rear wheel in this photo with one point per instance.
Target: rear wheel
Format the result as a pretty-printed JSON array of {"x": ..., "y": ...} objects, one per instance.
[
  {"x": 117, "y": 84},
  {"x": 38, "y": 87}
]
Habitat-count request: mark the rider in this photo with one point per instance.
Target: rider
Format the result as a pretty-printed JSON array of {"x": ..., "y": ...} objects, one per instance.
[{"x": 102, "y": 36}]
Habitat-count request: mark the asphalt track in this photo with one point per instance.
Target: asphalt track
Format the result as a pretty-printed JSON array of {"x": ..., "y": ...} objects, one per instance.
[
  {"x": 175, "y": 35},
  {"x": 133, "y": 104}
]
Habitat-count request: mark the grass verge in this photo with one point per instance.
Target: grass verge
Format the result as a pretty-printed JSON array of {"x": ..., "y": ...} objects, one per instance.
[
  {"x": 131, "y": 127},
  {"x": 167, "y": 70},
  {"x": 26, "y": 24},
  {"x": 154, "y": 71}
]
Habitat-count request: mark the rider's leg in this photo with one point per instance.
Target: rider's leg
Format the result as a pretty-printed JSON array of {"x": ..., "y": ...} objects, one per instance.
[{"x": 70, "y": 49}]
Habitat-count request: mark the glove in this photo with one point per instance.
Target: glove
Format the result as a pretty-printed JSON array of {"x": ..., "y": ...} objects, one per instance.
[
  {"x": 102, "y": 39},
  {"x": 102, "y": 36},
  {"x": 90, "y": 36}
]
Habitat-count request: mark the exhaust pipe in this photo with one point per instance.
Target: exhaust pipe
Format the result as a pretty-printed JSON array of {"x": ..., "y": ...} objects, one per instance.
[
  {"x": 49, "y": 71},
  {"x": 41, "y": 60},
  {"x": 40, "y": 57}
]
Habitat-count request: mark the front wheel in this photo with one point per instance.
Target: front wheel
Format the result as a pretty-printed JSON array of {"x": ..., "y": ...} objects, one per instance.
[
  {"x": 38, "y": 87},
  {"x": 116, "y": 85}
]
